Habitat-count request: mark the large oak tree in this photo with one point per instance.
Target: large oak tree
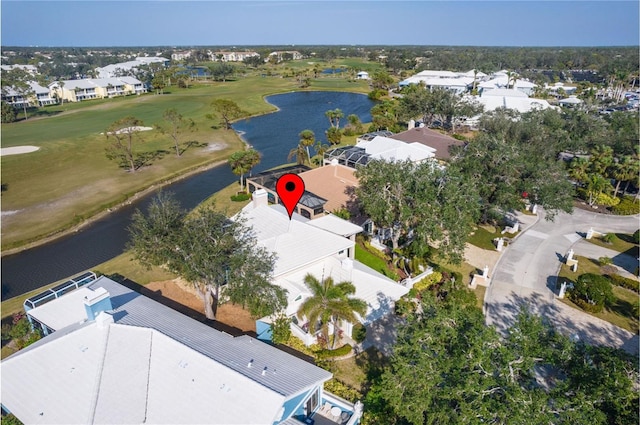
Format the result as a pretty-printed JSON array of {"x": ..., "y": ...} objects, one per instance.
[{"x": 210, "y": 251}]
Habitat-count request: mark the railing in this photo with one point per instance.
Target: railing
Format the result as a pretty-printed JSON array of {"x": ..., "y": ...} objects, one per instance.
[
  {"x": 59, "y": 290},
  {"x": 411, "y": 280}
]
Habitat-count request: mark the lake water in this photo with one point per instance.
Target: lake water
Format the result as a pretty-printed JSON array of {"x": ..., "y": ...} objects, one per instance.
[{"x": 273, "y": 135}]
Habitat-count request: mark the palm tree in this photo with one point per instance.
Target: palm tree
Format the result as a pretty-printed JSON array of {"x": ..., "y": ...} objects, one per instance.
[
  {"x": 242, "y": 162},
  {"x": 307, "y": 138},
  {"x": 330, "y": 303},
  {"x": 321, "y": 149},
  {"x": 628, "y": 167},
  {"x": 579, "y": 169},
  {"x": 61, "y": 85},
  {"x": 601, "y": 159},
  {"x": 300, "y": 153},
  {"x": 595, "y": 186}
]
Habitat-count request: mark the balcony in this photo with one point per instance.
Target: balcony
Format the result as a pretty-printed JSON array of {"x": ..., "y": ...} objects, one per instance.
[{"x": 333, "y": 410}]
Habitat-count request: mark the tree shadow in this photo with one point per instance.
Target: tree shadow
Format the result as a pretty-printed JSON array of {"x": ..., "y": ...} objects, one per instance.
[
  {"x": 575, "y": 324},
  {"x": 145, "y": 159},
  {"x": 192, "y": 144},
  {"x": 181, "y": 308}
]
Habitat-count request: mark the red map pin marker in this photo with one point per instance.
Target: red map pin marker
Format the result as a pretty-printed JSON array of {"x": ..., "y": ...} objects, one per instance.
[{"x": 290, "y": 188}]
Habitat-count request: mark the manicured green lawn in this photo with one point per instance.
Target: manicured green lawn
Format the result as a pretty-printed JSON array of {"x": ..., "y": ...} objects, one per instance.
[
  {"x": 621, "y": 243},
  {"x": 483, "y": 237},
  {"x": 620, "y": 313},
  {"x": 373, "y": 261},
  {"x": 70, "y": 179}
]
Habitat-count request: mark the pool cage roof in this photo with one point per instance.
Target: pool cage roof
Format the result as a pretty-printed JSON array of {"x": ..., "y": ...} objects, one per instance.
[
  {"x": 370, "y": 136},
  {"x": 350, "y": 156},
  {"x": 268, "y": 179}
]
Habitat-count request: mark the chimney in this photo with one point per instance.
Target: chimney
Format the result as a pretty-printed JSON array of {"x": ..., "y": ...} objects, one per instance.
[
  {"x": 260, "y": 198},
  {"x": 104, "y": 319},
  {"x": 412, "y": 124},
  {"x": 347, "y": 264},
  {"x": 96, "y": 302}
]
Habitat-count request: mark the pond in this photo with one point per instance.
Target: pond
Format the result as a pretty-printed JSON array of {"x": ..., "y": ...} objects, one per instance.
[{"x": 273, "y": 135}]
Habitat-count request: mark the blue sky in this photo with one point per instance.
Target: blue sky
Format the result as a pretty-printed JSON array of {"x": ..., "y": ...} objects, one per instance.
[{"x": 272, "y": 22}]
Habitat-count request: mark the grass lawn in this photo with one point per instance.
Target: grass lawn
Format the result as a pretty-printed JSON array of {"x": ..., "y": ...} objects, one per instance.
[
  {"x": 222, "y": 200},
  {"x": 484, "y": 235},
  {"x": 620, "y": 313},
  {"x": 358, "y": 371},
  {"x": 70, "y": 179},
  {"x": 373, "y": 261},
  {"x": 621, "y": 243}
]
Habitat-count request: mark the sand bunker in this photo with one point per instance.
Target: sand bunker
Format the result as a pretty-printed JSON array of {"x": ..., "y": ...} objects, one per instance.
[{"x": 17, "y": 150}]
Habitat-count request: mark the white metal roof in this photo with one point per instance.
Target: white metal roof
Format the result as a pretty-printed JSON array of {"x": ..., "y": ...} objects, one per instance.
[
  {"x": 65, "y": 311},
  {"x": 520, "y": 104},
  {"x": 124, "y": 374},
  {"x": 391, "y": 149},
  {"x": 295, "y": 243},
  {"x": 377, "y": 290},
  {"x": 336, "y": 225}
]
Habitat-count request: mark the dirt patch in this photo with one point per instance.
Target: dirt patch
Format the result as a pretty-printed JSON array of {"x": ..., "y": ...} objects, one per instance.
[{"x": 229, "y": 314}]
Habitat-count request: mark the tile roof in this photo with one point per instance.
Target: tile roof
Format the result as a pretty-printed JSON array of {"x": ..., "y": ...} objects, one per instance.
[
  {"x": 334, "y": 183},
  {"x": 431, "y": 138}
]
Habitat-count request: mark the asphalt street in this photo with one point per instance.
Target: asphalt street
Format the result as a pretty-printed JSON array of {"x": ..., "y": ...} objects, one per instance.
[{"x": 526, "y": 275}]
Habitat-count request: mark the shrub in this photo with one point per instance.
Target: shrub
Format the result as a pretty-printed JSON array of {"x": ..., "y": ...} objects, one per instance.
[
  {"x": 624, "y": 282},
  {"x": 428, "y": 281},
  {"x": 636, "y": 237},
  {"x": 592, "y": 292},
  {"x": 609, "y": 238},
  {"x": 404, "y": 307},
  {"x": 341, "y": 390},
  {"x": 241, "y": 197},
  {"x": 281, "y": 329},
  {"x": 628, "y": 206},
  {"x": 605, "y": 261},
  {"x": 338, "y": 352},
  {"x": 359, "y": 332},
  {"x": 607, "y": 200}
]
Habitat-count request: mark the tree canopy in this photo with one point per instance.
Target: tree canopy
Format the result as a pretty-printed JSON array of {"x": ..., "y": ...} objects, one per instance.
[
  {"x": 449, "y": 368},
  {"x": 228, "y": 111},
  {"x": 122, "y": 134},
  {"x": 241, "y": 162},
  {"x": 421, "y": 202},
  {"x": 210, "y": 251}
]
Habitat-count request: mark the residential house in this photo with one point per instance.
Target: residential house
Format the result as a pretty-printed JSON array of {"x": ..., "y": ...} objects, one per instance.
[
  {"x": 126, "y": 68},
  {"x": 509, "y": 99},
  {"x": 571, "y": 102},
  {"x": 40, "y": 96},
  {"x": 31, "y": 69},
  {"x": 279, "y": 56},
  {"x": 440, "y": 143},
  {"x": 117, "y": 356},
  {"x": 232, "y": 56},
  {"x": 560, "y": 90},
  {"x": 379, "y": 147},
  {"x": 181, "y": 55},
  {"x": 96, "y": 88},
  {"x": 457, "y": 82},
  {"x": 322, "y": 247},
  {"x": 503, "y": 80}
]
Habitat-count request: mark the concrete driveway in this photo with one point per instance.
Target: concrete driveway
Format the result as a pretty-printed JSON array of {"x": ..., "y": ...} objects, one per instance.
[{"x": 526, "y": 275}]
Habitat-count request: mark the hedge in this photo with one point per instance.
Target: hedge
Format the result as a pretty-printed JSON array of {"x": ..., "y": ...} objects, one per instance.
[
  {"x": 628, "y": 206},
  {"x": 240, "y": 197},
  {"x": 338, "y": 352},
  {"x": 625, "y": 282}
]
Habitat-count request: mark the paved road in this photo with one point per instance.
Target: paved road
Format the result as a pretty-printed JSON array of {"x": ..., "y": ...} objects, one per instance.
[{"x": 526, "y": 274}]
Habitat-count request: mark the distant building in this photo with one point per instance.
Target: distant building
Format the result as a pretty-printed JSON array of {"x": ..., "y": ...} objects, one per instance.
[
  {"x": 181, "y": 55},
  {"x": 362, "y": 75},
  {"x": 41, "y": 96},
  {"x": 123, "y": 68},
  {"x": 232, "y": 56},
  {"x": 279, "y": 56},
  {"x": 31, "y": 69},
  {"x": 96, "y": 88}
]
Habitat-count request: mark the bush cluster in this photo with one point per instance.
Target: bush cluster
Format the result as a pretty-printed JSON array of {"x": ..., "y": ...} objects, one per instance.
[
  {"x": 432, "y": 279},
  {"x": 240, "y": 197},
  {"x": 359, "y": 332},
  {"x": 628, "y": 206},
  {"x": 338, "y": 352},
  {"x": 592, "y": 292},
  {"x": 342, "y": 390},
  {"x": 624, "y": 282}
]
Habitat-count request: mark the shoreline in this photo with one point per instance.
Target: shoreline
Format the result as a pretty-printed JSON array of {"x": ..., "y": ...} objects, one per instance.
[{"x": 104, "y": 213}]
